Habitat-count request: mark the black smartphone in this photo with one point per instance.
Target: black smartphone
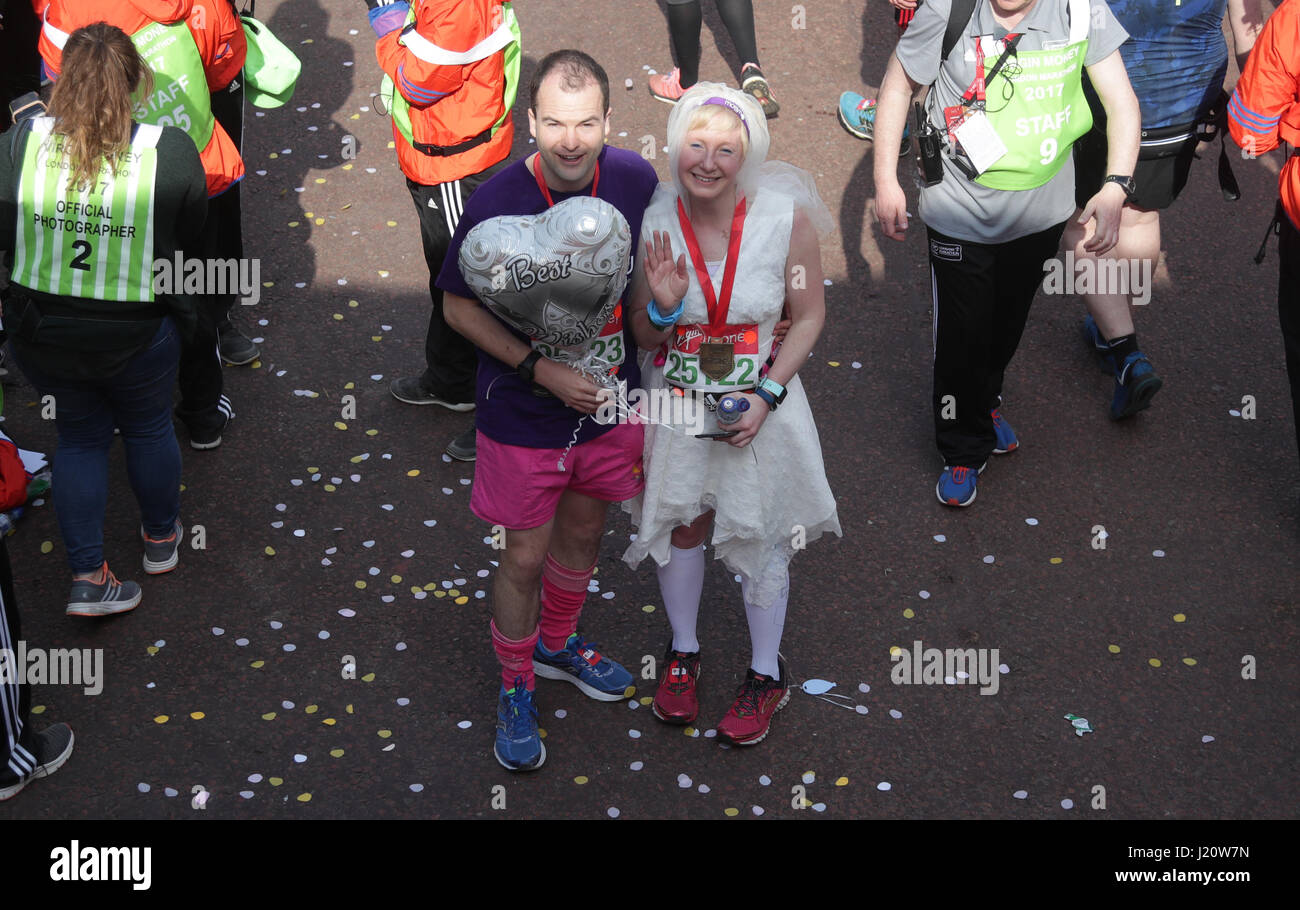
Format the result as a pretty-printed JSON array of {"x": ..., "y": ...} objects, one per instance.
[{"x": 720, "y": 434}]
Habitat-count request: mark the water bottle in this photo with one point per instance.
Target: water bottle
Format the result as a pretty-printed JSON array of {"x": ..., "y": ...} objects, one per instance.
[{"x": 730, "y": 410}]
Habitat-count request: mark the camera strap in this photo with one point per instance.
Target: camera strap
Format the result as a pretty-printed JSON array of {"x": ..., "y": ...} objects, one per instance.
[{"x": 974, "y": 96}]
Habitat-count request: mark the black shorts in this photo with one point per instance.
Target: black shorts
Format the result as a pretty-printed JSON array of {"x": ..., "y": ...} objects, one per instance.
[{"x": 1164, "y": 161}]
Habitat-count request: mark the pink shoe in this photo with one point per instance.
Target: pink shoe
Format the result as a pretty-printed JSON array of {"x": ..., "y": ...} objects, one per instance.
[{"x": 668, "y": 87}]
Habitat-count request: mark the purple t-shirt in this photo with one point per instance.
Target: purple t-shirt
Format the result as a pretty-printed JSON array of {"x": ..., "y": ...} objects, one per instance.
[{"x": 513, "y": 415}]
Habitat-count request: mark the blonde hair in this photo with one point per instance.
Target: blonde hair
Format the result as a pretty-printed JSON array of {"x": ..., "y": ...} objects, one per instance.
[
  {"x": 91, "y": 102},
  {"x": 714, "y": 118}
]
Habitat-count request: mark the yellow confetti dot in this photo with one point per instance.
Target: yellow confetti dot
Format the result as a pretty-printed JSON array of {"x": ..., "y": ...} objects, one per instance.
[
  {"x": 161, "y": 719},
  {"x": 269, "y": 715},
  {"x": 311, "y": 709},
  {"x": 46, "y": 546},
  {"x": 182, "y": 488},
  {"x": 833, "y": 363},
  {"x": 397, "y": 579},
  {"x": 580, "y": 780},
  {"x": 431, "y": 586},
  {"x": 197, "y": 715},
  {"x": 376, "y": 337},
  {"x": 392, "y": 224},
  {"x": 908, "y": 613},
  {"x": 293, "y": 224},
  {"x": 372, "y": 432},
  {"x": 648, "y": 608},
  {"x": 313, "y": 41},
  {"x": 462, "y": 600},
  {"x": 38, "y": 709},
  {"x": 349, "y": 707},
  {"x": 353, "y": 303},
  {"x": 453, "y": 593},
  {"x": 629, "y": 691},
  {"x": 274, "y": 155},
  {"x": 1155, "y": 661},
  {"x": 304, "y": 797},
  {"x": 330, "y": 488},
  {"x": 731, "y": 812},
  {"x": 320, "y": 220},
  {"x": 842, "y": 782},
  {"x": 312, "y": 470},
  {"x": 336, "y": 753},
  {"x": 152, "y": 649},
  {"x": 1056, "y": 560},
  {"x": 416, "y": 589},
  {"x": 350, "y": 385},
  {"x": 414, "y": 472},
  {"x": 338, "y": 316},
  {"x": 383, "y": 273},
  {"x": 647, "y": 700},
  {"x": 688, "y": 731},
  {"x": 359, "y": 583},
  {"x": 541, "y": 732},
  {"x": 1113, "y": 649},
  {"x": 352, "y": 117},
  {"x": 369, "y": 677},
  {"x": 340, "y": 425},
  {"x": 268, "y": 284},
  {"x": 391, "y": 145},
  {"x": 269, "y": 551},
  {"x": 257, "y": 664},
  {"x": 320, "y": 179},
  {"x": 384, "y": 734},
  {"x": 1180, "y": 617},
  {"x": 329, "y": 721},
  {"x": 309, "y": 214},
  {"x": 356, "y": 459},
  {"x": 894, "y": 649},
  {"x": 275, "y": 781},
  {"x": 1190, "y": 661},
  {"x": 439, "y": 593},
  {"x": 807, "y": 803}
]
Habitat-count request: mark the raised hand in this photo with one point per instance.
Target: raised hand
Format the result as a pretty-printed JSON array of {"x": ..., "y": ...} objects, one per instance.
[{"x": 668, "y": 281}]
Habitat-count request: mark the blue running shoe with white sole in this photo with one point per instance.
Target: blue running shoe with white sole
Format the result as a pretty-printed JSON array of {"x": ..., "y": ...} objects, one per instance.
[
  {"x": 581, "y": 664},
  {"x": 858, "y": 115},
  {"x": 1136, "y": 384},
  {"x": 956, "y": 486},
  {"x": 519, "y": 745},
  {"x": 1007, "y": 441}
]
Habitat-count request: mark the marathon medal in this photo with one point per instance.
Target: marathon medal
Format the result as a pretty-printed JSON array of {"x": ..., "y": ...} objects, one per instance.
[{"x": 717, "y": 358}]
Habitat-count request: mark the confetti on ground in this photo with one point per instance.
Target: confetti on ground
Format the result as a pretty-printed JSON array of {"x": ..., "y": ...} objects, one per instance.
[
  {"x": 1067, "y": 804},
  {"x": 1207, "y": 738},
  {"x": 895, "y": 714},
  {"x": 884, "y": 785},
  {"x": 1020, "y": 794}
]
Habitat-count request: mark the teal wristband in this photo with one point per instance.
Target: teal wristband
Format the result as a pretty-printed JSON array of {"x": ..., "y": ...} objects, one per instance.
[
  {"x": 665, "y": 322},
  {"x": 766, "y": 396}
]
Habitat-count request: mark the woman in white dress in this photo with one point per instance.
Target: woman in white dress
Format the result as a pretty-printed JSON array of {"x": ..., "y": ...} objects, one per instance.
[{"x": 728, "y": 247}]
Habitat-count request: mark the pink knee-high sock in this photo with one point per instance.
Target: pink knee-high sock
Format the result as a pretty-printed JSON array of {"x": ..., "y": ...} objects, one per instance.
[
  {"x": 563, "y": 593},
  {"x": 516, "y": 658}
]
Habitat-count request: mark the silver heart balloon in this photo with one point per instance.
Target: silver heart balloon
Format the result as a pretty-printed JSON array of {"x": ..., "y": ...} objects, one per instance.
[{"x": 556, "y": 276}]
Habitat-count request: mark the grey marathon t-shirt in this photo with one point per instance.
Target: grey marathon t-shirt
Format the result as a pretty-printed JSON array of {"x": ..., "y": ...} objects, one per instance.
[{"x": 960, "y": 207}]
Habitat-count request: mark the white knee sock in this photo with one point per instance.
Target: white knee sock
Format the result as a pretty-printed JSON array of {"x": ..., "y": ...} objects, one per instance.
[
  {"x": 681, "y": 583},
  {"x": 765, "y": 628}
]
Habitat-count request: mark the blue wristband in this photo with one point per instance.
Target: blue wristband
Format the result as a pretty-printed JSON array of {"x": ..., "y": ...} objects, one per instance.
[
  {"x": 665, "y": 322},
  {"x": 766, "y": 396}
]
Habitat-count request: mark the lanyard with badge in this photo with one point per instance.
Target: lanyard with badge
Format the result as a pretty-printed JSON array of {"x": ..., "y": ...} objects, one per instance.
[
  {"x": 969, "y": 129},
  {"x": 717, "y": 359}
]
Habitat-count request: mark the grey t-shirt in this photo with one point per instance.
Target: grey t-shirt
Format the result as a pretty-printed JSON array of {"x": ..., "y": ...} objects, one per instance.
[{"x": 958, "y": 206}]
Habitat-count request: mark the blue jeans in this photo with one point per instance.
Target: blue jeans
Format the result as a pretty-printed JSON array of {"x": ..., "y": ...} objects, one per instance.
[{"x": 138, "y": 402}]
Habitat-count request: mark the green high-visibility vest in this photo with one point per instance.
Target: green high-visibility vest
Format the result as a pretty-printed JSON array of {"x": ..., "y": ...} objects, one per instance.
[
  {"x": 507, "y": 35},
  {"x": 93, "y": 241},
  {"x": 1047, "y": 111}
]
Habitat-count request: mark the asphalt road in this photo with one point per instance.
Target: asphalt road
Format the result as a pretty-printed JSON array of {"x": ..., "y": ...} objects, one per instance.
[{"x": 330, "y": 538}]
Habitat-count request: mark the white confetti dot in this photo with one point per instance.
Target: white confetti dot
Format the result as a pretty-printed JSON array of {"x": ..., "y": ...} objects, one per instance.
[
  {"x": 940, "y": 538},
  {"x": 465, "y": 724},
  {"x": 242, "y": 642},
  {"x": 826, "y": 282},
  {"x": 636, "y": 765},
  {"x": 280, "y": 507},
  {"x": 988, "y": 560},
  {"x": 924, "y": 595},
  {"x": 433, "y": 521},
  {"x": 1004, "y": 669},
  {"x": 331, "y": 551},
  {"x": 254, "y": 778},
  {"x": 299, "y": 532},
  {"x": 355, "y": 478},
  {"x": 276, "y": 624},
  {"x": 608, "y": 595},
  {"x": 403, "y": 701},
  {"x": 864, "y": 688},
  {"x": 1067, "y": 804},
  {"x": 710, "y": 734},
  {"x": 1020, "y": 794},
  {"x": 948, "y": 680},
  {"x": 764, "y": 780},
  {"x": 819, "y": 807},
  {"x": 757, "y": 810},
  {"x": 1207, "y": 738},
  {"x": 326, "y": 561},
  {"x": 322, "y": 635},
  {"x": 809, "y": 777},
  {"x": 290, "y": 646},
  {"x": 895, "y": 714},
  {"x": 217, "y": 630},
  {"x": 416, "y": 788},
  {"x": 632, "y": 704},
  {"x": 856, "y": 365},
  {"x": 277, "y": 524},
  {"x": 400, "y": 646},
  {"x": 388, "y": 598},
  {"x": 1234, "y": 412},
  {"x": 247, "y": 794},
  {"x": 448, "y": 491},
  {"x": 407, "y": 554},
  {"x": 387, "y": 507},
  {"x": 962, "y": 674},
  {"x": 884, "y": 785},
  {"x": 151, "y": 685},
  {"x": 300, "y": 758},
  {"x": 612, "y": 811},
  {"x": 367, "y": 544},
  {"x": 297, "y": 481},
  {"x": 159, "y": 643},
  {"x": 348, "y": 612},
  {"x": 1031, "y": 521},
  {"x": 1157, "y": 553},
  {"x": 861, "y": 709},
  {"x": 561, "y": 713},
  {"x": 143, "y": 788},
  {"x": 703, "y": 788},
  {"x": 287, "y": 705},
  {"x": 635, "y": 734},
  {"x": 684, "y": 782}
]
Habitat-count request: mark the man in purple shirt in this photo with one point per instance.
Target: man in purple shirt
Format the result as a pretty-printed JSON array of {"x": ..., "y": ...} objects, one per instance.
[{"x": 552, "y": 518}]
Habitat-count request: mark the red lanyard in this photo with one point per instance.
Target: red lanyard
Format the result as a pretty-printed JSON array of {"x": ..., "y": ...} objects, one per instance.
[
  {"x": 546, "y": 191},
  {"x": 718, "y": 305},
  {"x": 976, "y": 90}
]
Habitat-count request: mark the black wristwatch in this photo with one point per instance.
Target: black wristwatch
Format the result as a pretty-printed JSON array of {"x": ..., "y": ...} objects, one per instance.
[
  {"x": 1124, "y": 181},
  {"x": 525, "y": 368}
]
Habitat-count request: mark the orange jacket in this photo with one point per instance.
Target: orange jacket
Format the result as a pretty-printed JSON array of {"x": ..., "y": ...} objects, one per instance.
[
  {"x": 1266, "y": 104},
  {"x": 449, "y": 103},
  {"x": 216, "y": 29}
]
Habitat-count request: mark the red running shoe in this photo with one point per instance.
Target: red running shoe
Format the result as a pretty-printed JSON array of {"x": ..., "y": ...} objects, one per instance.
[
  {"x": 676, "y": 701},
  {"x": 760, "y": 697}
]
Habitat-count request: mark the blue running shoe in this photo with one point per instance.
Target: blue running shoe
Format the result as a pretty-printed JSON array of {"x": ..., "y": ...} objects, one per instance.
[
  {"x": 518, "y": 746},
  {"x": 1007, "y": 441},
  {"x": 956, "y": 486},
  {"x": 1099, "y": 347},
  {"x": 858, "y": 115},
  {"x": 581, "y": 664},
  {"x": 1136, "y": 384}
]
